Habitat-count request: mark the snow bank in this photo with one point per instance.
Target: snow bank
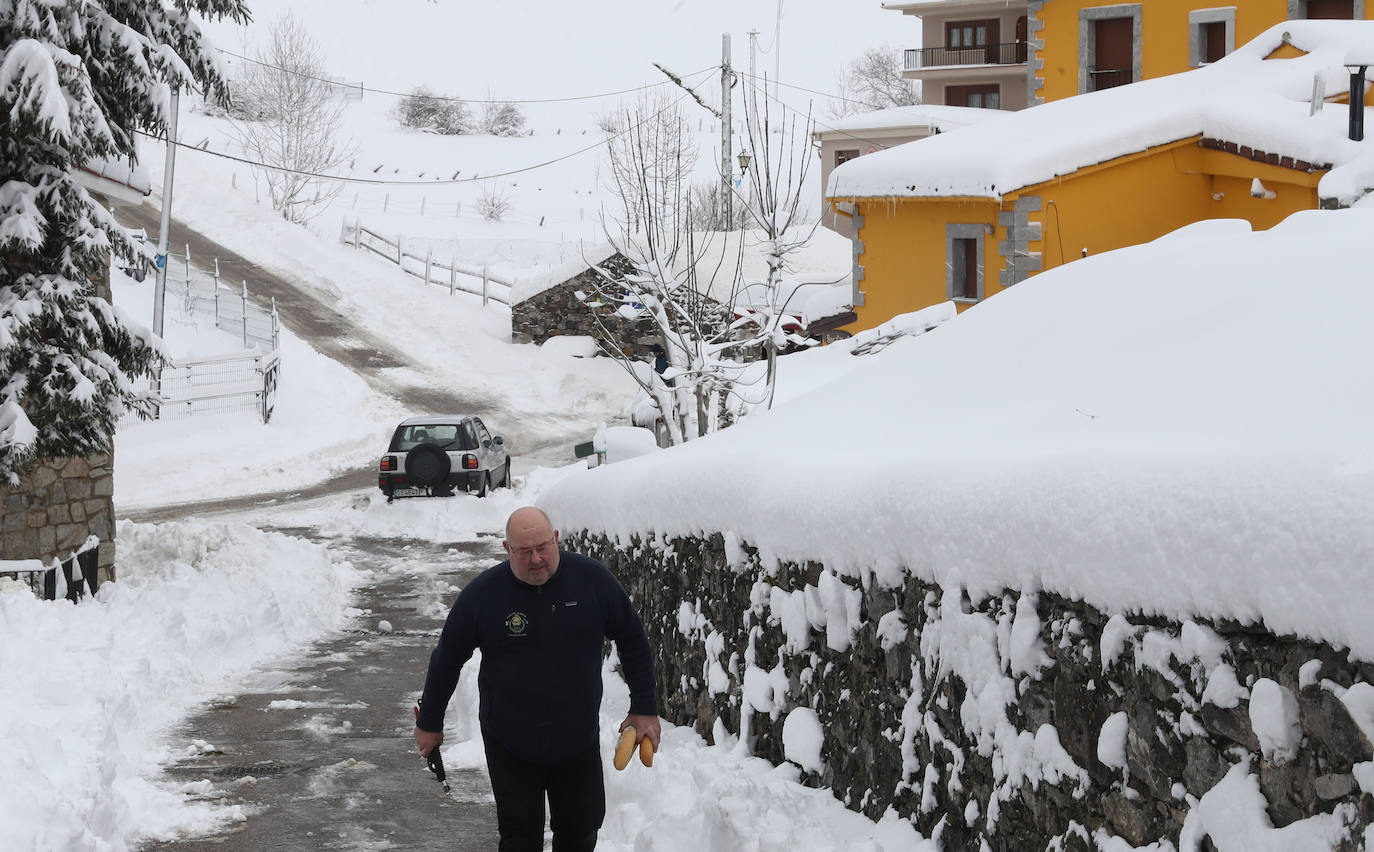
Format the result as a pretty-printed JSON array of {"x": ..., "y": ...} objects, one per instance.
[
  {"x": 92, "y": 689},
  {"x": 698, "y": 796}
]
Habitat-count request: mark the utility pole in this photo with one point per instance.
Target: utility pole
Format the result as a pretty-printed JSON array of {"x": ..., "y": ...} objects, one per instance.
[
  {"x": 777, "y": 52},
  {"x": 726, "y": 168},
  {"x": 160, "y": 289},
  {"x": 753, "y": 74}
]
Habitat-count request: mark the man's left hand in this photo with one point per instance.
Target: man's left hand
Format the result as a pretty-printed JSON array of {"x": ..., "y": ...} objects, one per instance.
[{"x": 645, "y": 726}]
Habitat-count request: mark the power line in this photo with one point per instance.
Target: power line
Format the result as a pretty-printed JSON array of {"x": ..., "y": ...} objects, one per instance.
[
  {"x": 361, "y": 88},
  {"x": 874, "y": 142},
  {"x": 811, "y": 91},
  {"x": 387, "y": 182}
]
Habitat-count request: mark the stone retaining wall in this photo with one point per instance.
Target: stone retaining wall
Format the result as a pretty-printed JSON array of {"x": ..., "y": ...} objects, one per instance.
[
  {"x": 52, "y": 511},
  {"x": 558, "y": 311},
  {"x": 1023, "y": 721}
]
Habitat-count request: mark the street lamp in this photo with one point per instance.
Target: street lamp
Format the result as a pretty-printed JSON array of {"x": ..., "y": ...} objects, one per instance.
[
  {"x": 744, "y": 158},
  {"x": 1357, "y": 61}
]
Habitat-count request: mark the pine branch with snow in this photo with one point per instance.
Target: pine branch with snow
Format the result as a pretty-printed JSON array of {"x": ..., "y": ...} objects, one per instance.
[{"x": 76, "y": 82}]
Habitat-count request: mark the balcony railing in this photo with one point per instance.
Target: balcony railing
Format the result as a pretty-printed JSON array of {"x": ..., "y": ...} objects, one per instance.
[
  {"x": 1108, "y": 78},
  {"x": 1008, "y": 53}
]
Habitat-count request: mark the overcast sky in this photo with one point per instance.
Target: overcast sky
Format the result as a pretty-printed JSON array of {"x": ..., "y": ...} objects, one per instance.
[{"x": 524, "y": 49}]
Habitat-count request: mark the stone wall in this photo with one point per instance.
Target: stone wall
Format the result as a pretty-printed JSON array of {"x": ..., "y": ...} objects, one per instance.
[
  {"x": 558, "y": 311},
  {"x": 53, "y": 510},
  {"x": 1023, "y": 721}
]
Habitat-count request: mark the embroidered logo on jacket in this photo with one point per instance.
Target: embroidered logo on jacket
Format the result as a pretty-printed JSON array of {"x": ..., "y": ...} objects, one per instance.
[{"x": 517, "y": 623}]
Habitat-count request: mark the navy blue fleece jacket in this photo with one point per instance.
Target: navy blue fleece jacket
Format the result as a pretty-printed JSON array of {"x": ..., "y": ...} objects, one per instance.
[{"x": 540, "y": 676}]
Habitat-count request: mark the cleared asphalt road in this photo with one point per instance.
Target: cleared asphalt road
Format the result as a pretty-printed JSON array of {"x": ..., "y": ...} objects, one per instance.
[{"x": 320, "y": 751}]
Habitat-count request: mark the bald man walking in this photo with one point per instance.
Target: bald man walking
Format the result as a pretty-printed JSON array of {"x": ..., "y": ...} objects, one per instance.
[{"x": 540, "y": 619}]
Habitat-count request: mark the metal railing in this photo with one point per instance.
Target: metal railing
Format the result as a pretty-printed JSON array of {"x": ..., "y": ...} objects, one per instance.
[
  {"x": 475, "y": 280},
  {"x": 1006, "y": 53},
  {"x": 60, "y": 578},
  {"x": 222, "y": 385},
  {"x": 200, "y": 291},
  {"x": 1109, "y": 78}
]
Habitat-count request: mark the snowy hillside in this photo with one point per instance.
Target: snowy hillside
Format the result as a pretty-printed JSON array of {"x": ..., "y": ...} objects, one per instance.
[{"x": 555, "y": 210}]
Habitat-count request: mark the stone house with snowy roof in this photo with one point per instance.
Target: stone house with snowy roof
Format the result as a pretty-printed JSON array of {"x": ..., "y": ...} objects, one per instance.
[
  {"x": 574, "y": 299},
  {"x": 965, "y": 215},
  {"x": 64, "y": 507}
]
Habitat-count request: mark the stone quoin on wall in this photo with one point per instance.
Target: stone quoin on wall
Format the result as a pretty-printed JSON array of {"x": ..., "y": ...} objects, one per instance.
[{"x": 1020, "y": 721}]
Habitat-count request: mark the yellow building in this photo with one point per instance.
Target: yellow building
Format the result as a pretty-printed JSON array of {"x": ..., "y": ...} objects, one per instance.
[
  {"x": 967, "y": 214},
  {"x": 1086, "y": 45}
]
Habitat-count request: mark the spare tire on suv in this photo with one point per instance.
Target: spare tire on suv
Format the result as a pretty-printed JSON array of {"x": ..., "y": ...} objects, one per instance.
[{"x": 429, "y": 465}]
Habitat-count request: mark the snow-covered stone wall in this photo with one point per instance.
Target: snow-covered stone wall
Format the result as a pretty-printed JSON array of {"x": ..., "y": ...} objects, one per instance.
[
  {"x": 557, "y": 311},
  {"x": 56, "y": 507},
  {"x": 1023, "y": 720}
]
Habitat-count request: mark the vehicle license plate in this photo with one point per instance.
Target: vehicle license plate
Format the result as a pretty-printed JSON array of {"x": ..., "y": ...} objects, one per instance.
[{"x": 408, "y": 492}]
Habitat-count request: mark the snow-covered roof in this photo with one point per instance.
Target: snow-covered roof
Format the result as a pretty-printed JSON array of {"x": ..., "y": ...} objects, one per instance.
[
  {"x": 826, "y": 255},
  {"x": 533, "y": 284},
  {"x": 1181, "y": 427},
  {"x": 1243, "y": 98},
  {"x": 117, "y": 179},
  {"x": 940, "y": 6},
  {"x": 931, "y": 117}
]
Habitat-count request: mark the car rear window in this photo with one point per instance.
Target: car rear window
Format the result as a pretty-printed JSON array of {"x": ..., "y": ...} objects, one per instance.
[{"x": 450, "y": 436}]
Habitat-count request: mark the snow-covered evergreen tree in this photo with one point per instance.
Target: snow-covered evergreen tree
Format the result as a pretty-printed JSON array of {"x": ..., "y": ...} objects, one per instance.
[{"x": 77, "y": 79}]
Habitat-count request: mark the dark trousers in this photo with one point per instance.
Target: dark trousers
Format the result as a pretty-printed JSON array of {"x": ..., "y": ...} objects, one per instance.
[{"x": 576, "y": 794}]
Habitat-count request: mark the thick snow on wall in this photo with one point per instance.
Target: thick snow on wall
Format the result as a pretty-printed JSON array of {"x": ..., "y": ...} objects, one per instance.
[
  {"x": 924, "y": 712},
  {"x": 1174, "y": 428},
  {"x": 1242, "y": 98}
]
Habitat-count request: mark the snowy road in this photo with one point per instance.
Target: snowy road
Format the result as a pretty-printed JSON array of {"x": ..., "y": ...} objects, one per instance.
[
  {"x": 319, "y": 753},
  {"x": 541, "y": 434}
]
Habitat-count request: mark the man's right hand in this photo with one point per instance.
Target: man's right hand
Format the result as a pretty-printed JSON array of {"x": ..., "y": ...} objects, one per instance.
[{"x": 427, "y": 740}]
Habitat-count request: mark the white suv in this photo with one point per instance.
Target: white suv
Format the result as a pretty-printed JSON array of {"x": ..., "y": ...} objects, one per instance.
[{"x": 435, "y": 456}]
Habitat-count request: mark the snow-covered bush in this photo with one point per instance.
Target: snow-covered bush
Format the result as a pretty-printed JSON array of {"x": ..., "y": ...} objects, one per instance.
[
  {"x": 708, "y": 209},
  {"x": 502, "y": 119},
  {"x": 494, "y": 204},
  {"x": 424, "y": 110},
  {"x": 242, "y": 104}
]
